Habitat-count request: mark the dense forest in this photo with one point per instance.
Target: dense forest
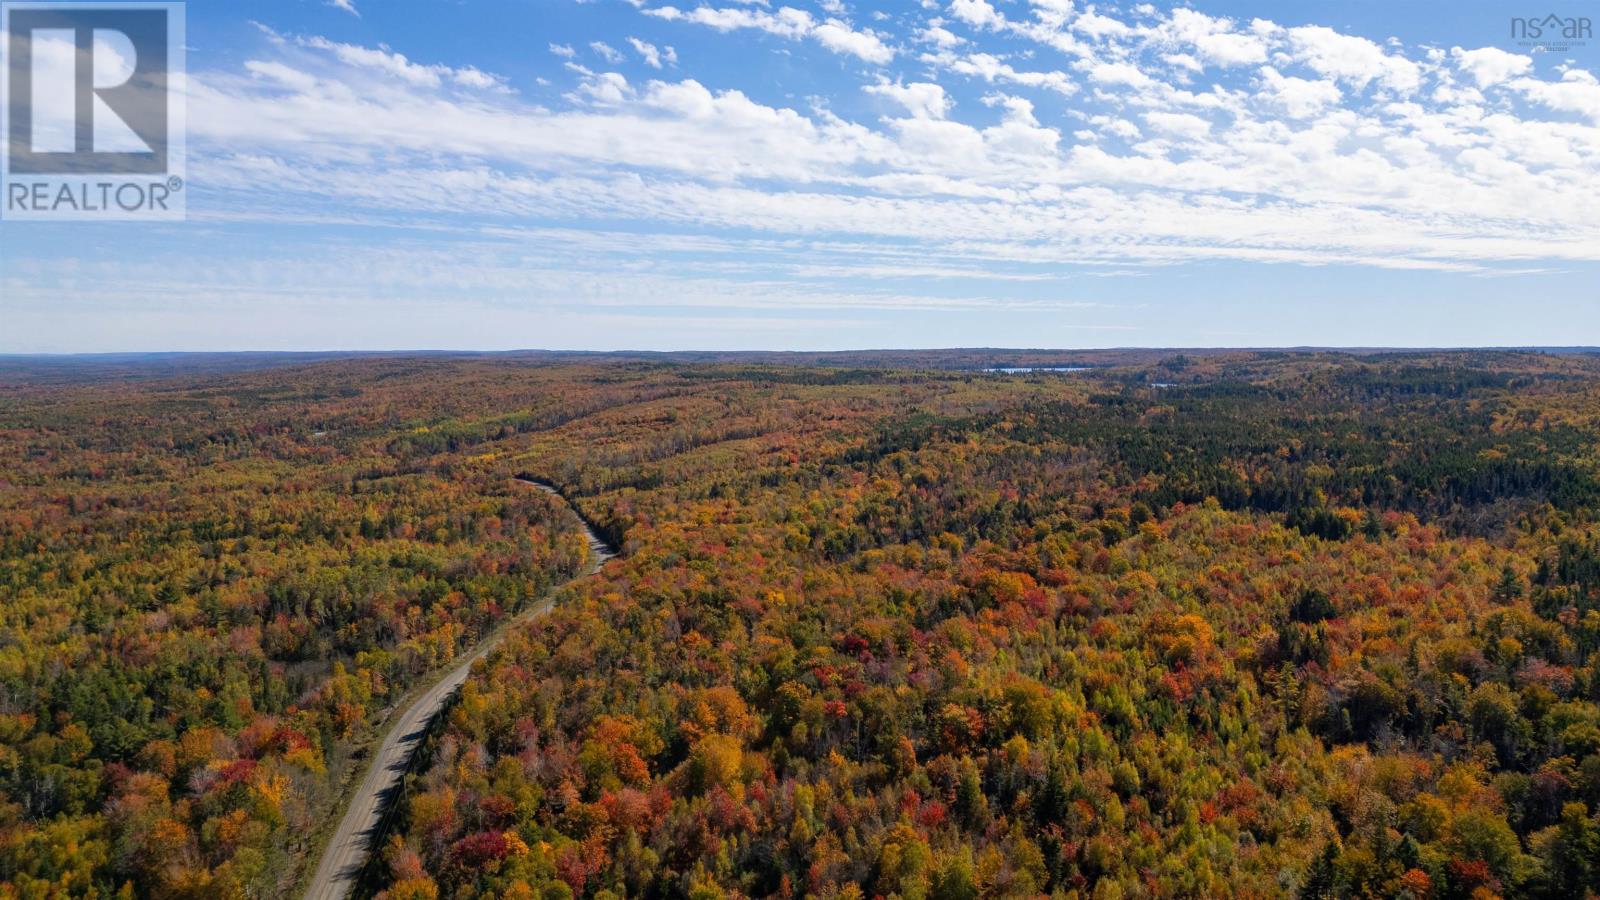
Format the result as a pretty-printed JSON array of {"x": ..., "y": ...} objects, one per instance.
[{"x": 1200, "y": 624}]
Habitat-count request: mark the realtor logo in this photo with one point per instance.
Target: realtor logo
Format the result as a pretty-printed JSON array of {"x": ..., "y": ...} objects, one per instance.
[{"x": 92, "y": 111}]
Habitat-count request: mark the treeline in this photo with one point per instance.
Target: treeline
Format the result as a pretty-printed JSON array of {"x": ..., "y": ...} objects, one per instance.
[
  {"x": 1299, "y": 625},
  {"x": 200, "y": 621},
  {"x": 977, "y": 638}
]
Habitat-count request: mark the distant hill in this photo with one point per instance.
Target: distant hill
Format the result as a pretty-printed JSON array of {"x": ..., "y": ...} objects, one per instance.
[{"x": 76, "y": 368}]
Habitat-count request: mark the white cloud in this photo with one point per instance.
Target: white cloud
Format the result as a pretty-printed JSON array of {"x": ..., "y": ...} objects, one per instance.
[
  {"x": 840, "y": 38},
  {"x": 382, "y": 59},
  {"x": 787, "y": 22},
  {"x": 1119, "y": 73},
  {"x": 1019, "y": 134},
  {"x": 1119, "y": 127},
  {"x": 1334, "y": 149},
  {"x": 397, "y": 65},
  {"x": 1490, "y": 65},
  {"x": 652, "y": 55},
  {"x": 1198, "y": 138},
  {"x": 604, "y": 88},
  {"x": 1577, "y": 91},
  {"x": 1355, "y": 60},
  {"x": 991, "y": 69},
  {"x": 1181, "y": 125},
  {"x": 348, "y": 6},
  {"x": 1214, "y": 40},
  {"x": 606, "y": 52},
  {"x": 478, "y": 79},
  {"x": 1097, "y": 26},
  {"x": 941, "y": 37},
  {"x": 921, "y": 100},
  {"x": 977, "y": 13},
  {"x": 285, "y": 75},
  {"x": 1054, "y": 8},
  {"x": 1299, "y": 97}
]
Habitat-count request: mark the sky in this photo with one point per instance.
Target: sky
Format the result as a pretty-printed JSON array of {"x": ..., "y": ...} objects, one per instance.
[{"x": 828, "y": 174}]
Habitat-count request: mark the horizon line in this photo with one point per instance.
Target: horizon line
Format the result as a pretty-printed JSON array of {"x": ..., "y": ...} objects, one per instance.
[{"x": 1296, "y": 348}]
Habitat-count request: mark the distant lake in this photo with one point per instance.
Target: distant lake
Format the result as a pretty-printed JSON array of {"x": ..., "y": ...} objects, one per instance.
[{"x": 1023, "y": 370}]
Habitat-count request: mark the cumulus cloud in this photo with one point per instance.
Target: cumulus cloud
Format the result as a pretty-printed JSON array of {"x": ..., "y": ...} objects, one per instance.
[
  {"x": 1181, "y": 125},
  {"x": 1490, "y": 65},
  {"x": 606, "y": 52},
  {"x": 994, "y": 70},
  {"x": 652, "y": 55},
  {"x": 1027, "y": 142},
  {"x": 1578, "y": 91},
  {"x": 1354, "y": 60},
  {"x": 921, "y": 100},
  {"x": 936, "y": 34},
  {"x": 1120, "y": 73},
  {"x": 384, "y": 60},
  {"x": 1299, "y": 97},
  {"x": 1215, "y": 40},
  {"x": 788, "y": 22},
  {"x": 1042, "y": 137},
  {"x": 977, "y": 13}
]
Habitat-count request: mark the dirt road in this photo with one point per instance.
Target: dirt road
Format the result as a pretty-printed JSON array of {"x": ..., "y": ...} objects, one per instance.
[{"x": 342, "y": 861}]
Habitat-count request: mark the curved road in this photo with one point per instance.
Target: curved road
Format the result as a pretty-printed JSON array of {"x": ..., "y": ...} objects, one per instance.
[{"x": 346, "y": 855}]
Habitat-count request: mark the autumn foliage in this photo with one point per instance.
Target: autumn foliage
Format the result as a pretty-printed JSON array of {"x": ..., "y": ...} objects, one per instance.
[{"x": 1285, "y": 625}]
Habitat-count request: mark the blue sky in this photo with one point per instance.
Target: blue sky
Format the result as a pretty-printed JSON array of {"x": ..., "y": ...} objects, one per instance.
[{"x": 822, "y": 174}]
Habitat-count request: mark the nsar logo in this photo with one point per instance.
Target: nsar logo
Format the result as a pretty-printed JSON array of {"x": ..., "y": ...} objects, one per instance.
[{"x": 1552, "y": 32}]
